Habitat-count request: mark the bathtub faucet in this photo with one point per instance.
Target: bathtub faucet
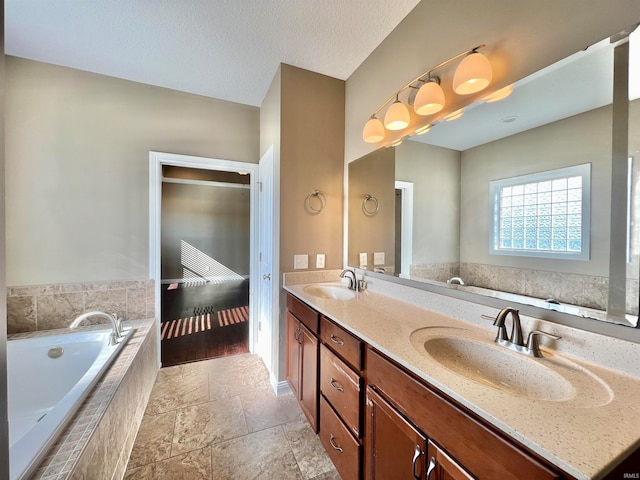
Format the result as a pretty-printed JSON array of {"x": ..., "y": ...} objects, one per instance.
[{"x": 112, "y": 317}]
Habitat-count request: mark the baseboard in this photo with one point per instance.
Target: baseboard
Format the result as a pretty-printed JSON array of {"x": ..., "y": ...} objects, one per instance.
[{"x": 280, "y": 388}]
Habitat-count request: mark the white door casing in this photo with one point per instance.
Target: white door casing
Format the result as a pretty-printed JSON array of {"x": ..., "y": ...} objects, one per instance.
[{"x": 156, "y": 162}]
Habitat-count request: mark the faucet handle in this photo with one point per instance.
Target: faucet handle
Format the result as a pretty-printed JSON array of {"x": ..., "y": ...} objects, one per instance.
[{"x": 533, "y": 345}]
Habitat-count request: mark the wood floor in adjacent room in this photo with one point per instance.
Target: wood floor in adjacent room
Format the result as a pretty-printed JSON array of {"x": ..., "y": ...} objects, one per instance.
[{"x": 220, "y": 420}]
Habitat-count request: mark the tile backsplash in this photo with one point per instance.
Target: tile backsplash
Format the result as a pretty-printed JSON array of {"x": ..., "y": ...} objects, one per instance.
[{"x": 45, "y": 307}]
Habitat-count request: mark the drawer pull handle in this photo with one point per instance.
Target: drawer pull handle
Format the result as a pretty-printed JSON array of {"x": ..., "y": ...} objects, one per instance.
[
  {"x": 432, "y": 467},
  {"x": 337, "y": 340},
  {"x": 335, "y": 385},
  {"x": 416, "y": 455},
  {"x": 333, "y": 443}
]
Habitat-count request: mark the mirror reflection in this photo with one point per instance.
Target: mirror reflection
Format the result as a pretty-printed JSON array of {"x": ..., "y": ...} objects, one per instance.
[{"x": 520, "y": 199}]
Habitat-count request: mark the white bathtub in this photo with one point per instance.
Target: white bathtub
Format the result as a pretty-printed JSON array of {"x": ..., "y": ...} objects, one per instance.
[{"x": 45, "y": 392}]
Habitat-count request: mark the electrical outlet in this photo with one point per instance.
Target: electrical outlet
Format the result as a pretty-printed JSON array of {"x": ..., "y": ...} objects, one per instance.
[
  {"x": 300, "y": 262},
  {"x": 378, "y": 258},
  {"x": 363, "y": 259},
  {"x": 320, "y": 260}
]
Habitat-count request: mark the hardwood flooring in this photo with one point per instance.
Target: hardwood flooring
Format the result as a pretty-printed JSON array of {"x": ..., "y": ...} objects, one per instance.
[{"x": 206, "y": 321}]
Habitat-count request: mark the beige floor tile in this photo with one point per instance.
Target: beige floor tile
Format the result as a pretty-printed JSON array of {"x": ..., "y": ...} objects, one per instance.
[
  {"x": 308, "y": 450},
  {"x": 208, "y": 423},
  {"x": 176, "y": 389},
  {"x": 194, "y": 465},
  {"x": 235, "y": 375},
  {"x": 263, "y": 455},
  {"x": 263, "y": 409},
  {"x": 331, "y": 475},
  {"x": 153, "y": 442}
]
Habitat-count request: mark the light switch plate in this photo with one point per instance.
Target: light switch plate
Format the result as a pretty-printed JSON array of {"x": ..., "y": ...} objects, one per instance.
[
  {"x": 300, "y": 262},
  {"x": 378, "y": 258},
  {"x": 320, "y": 260},
  {"x": 363, "y": 259}
]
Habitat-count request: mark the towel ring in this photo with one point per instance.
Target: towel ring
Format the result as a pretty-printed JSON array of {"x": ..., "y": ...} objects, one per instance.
[
  {"x": 368, "y": 210},
  {"x": 319, "y": 195}
]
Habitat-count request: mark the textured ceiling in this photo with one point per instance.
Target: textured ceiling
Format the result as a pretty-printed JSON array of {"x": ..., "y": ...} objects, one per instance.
[{"x": 226, "y": 49}]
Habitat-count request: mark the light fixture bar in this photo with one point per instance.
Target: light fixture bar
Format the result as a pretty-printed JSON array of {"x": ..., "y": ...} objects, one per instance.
[{"x": 427, "y": 73}]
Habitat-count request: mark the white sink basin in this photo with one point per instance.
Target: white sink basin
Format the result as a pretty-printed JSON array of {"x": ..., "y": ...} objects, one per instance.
[
  {"x": 473, "y": 354},
  {"x": 331, "y": 291}
]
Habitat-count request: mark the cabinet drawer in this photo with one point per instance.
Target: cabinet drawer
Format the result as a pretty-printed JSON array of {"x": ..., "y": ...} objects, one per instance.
[
  {"x": 342, "y": 448},
  {"x": 342, "y": 342},
  {"x": 483, "y": 452},
  {"x": 307, "y": 315},
  {"x": 341, "y": 386}
]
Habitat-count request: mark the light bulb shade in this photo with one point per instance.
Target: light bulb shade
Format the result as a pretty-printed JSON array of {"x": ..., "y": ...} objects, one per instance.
[
  {"x": 429, "y": 99},
  {"x": 373, "y": 131},
  {"x": 397, "y": 117},
  {"x": 472, "y": 75}
]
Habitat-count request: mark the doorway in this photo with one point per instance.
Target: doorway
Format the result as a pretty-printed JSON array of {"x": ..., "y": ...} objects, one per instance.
[
  {"x": 197, "y": 280},
  {"x": 205, "y": 264}
]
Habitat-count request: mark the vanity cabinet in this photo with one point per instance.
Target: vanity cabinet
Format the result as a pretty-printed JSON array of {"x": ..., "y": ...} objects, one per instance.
[
  {"x": 302, "y": 356},
  {"x": 483, "y": 452}
]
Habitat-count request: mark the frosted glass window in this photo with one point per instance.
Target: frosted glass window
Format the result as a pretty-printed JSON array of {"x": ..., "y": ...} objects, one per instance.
[{"x": 543, "y": 214}]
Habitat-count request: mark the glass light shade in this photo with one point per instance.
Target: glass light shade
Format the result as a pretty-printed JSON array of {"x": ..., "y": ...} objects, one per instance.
[
  {"x": 499, "y": 94},
  {"x": 453, "y": 116},
  {"x": 397, "y": 117},
  {"x": 373, "y": 131},
  {"x": 472, "y": 75},
  {"x": 429, "y": 99}
]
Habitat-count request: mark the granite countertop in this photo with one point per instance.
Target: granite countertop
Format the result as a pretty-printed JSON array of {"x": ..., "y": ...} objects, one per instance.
[{"x": 582, "y": 434}]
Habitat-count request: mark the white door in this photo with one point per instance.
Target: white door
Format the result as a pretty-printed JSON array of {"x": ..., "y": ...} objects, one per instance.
[{"x": 267, "y": 276}]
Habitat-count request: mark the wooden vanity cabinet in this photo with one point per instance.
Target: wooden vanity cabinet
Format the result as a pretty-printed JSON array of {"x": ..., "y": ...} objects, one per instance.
[
  {"x": 302, "y": 356},
  {"x": 442, "y": 467},
  {"x": 484, "y": 453}
]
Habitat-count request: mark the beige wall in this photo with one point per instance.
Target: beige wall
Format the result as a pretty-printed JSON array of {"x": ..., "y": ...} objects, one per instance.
[
  {"x": 435, "y": 173},
  {"x": 521, "y": 38},
  {"x": 372, "y": 175},
  {"x": 556, "y": 145},
  {"x": 77, "y": 156},
  {"x": 311, "y": 158}
]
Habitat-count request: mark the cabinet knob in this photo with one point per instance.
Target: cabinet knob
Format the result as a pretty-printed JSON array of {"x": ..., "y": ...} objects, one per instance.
[
  {"x": 416, "y": 456},
  {"x": 432, "y": 467},
  {"x": 333, "y": 443},
  {"x": 335, "y": 385}
]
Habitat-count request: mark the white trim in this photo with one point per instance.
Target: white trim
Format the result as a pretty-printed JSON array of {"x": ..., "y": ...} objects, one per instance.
[
  {"x": 156, "y": 161},
  {"x": 280, "y": 388},
  {"x": 407, "y": 227},
  {"x": 205, "y": 183}
]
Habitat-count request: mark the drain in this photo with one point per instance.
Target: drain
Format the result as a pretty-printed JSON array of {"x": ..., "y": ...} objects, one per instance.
[{"x": 55, "y": 352}]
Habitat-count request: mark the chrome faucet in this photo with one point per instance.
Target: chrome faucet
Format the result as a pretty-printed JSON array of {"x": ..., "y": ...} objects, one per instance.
[
  {"x": 353, "y": 281},
  {"x": 112, "y": 317},
  {"x": 515, "y": 341},
  {"x": 454, "y": 280}
]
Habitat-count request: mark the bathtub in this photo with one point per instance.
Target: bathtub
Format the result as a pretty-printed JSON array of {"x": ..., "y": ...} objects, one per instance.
[{"x": 48, "y": 379}]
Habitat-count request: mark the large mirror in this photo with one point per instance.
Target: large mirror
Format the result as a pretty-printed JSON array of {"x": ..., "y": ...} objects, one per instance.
[{"x": 520, "y": 199}]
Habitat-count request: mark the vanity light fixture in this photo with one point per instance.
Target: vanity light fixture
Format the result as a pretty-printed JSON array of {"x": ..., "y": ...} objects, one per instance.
[
  {"x": 472, "y": 75},
  {"x": 397, "y": 117},
  {"x": 499, "y": 94}
]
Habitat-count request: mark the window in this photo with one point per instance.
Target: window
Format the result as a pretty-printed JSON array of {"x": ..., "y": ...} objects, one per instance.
[{"x": 543, "y": 214}]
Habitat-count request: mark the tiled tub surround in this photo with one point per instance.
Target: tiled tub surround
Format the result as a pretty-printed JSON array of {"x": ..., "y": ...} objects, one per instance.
[
  {"x": 45, "y": 307},
  {"x": 589, "y": 291},
  {"x": 585, "y": 441},
  {"x": 98, "y": 440}
]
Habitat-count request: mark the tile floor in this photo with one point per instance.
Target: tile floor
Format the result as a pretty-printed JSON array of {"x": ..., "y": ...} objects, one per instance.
[{"x": 220, "y": 420}]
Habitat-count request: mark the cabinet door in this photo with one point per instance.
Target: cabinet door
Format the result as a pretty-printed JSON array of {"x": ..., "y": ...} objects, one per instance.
[
  {"x": 443, "y": 467},
  {"x": 395, "y": 449},
  {"x": 309, "y": 376},
  {"x": 293, "y": 354}
]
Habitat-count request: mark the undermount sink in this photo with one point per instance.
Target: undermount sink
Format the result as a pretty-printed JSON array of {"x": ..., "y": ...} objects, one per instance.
[
  {"x": 473, "y": 355},
  {"x": 330, "y": 291}
]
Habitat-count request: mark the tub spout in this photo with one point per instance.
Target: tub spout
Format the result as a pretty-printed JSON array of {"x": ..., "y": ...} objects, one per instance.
[{"x": 112, "y": 317}]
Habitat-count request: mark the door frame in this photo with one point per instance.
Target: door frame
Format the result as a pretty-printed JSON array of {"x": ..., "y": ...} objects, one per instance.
[
  {"x": 156, "y": 161},
  {"x": 407, "y": 227}
]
